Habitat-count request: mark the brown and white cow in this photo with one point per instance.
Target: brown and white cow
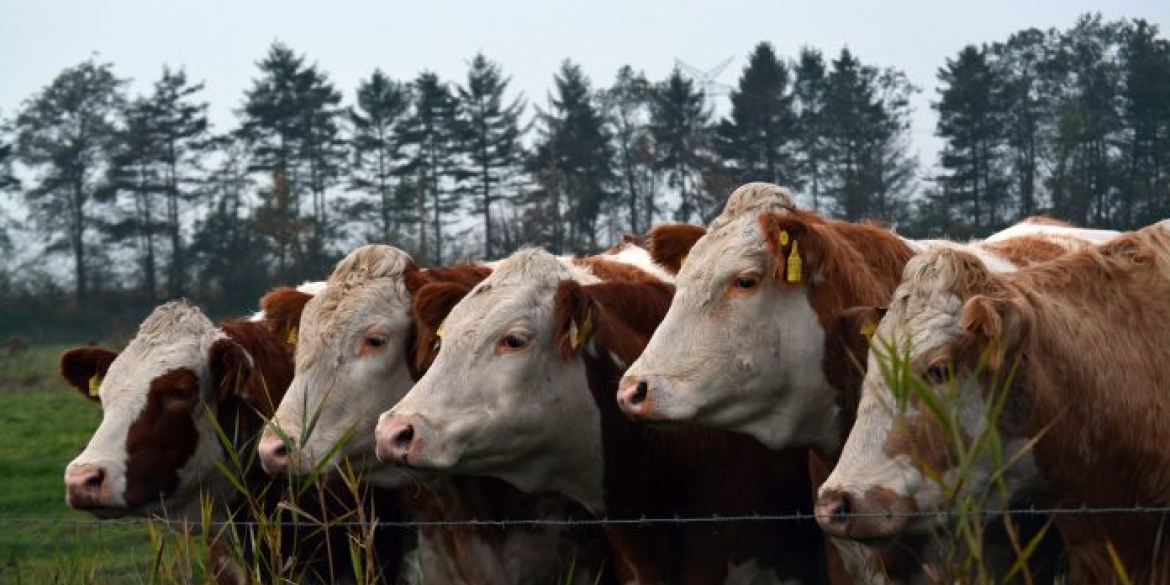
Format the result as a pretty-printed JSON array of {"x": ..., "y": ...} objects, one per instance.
[
  {"x": 748, "y": 343},
  {"x": 522, "y": 389},
  {"x": 358, "y": 353},
  {"x": 157, "y": 452},
  {"x": 1071, "y": 352}
]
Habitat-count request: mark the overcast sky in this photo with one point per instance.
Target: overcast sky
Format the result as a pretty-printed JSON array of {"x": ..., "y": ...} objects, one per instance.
[{"x": 220, "y": 42}]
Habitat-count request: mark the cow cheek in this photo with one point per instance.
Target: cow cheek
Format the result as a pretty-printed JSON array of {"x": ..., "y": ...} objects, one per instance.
[{"x": 158, "y": 445}]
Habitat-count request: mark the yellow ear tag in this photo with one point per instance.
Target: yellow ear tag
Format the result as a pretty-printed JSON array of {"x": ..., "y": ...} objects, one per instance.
[
  {"x": 868, "y": 328},
  {"x": 95, "y": 382},
  {"x": 682, "y": 261},
  {"x": 794, "y": 263},
  {"x": 292, "y": 336},
  {"x": 783, "y": 239},
  {"x": 439, "y": 331},
  {"x": 578, "y": 336}
]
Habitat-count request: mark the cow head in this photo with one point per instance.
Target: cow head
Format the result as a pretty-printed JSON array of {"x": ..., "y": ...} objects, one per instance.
[
  {"x": 350, "y": 361},
  {"x": 741, "y": 347},
  {"x": 500, "y": 399},
  {"x": 940, "y": 360},
  {"x": 156, "y": 447}
]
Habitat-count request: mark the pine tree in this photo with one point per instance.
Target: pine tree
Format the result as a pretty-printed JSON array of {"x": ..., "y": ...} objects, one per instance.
[
  {"x": 809, "y": 89},
  {"x": 431, "y": 135},
  {"x": 1087, "y": 122},
  {"x": 756, "y": 141},
  {"x": 8, "y": 180},
  {"x": 382, "y": 105},
  {"x": 869, "y": 173},
  {"x": 680, "y": 123},
  {"x": 970, "y": 122},
  {"x": 573, "y": 160},
  {"x": 626, "y": 104},
  {"x": 489, "y": 132},
  {"x": 64, "y": 133},
  {"x": 290, "y": 118},
  {"x": 1017, "y": 66},
  {"x": 1145, "y": 142}
]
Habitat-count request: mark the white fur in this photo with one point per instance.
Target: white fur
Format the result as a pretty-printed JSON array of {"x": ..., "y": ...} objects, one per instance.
[{"x": 639, "y": 258}]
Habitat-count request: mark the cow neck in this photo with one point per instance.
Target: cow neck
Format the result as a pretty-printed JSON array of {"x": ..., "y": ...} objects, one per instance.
[{"x": 865, "y": 270}]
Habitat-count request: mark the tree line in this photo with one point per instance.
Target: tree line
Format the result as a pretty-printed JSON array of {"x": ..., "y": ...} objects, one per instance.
[{"x": 143, "y": 200}]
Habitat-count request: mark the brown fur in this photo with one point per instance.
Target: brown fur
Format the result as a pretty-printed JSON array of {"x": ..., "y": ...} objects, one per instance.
[
  {"x": 682, "y": 472},
  {"x": 1087, "y": 335},
  {"x": 845, "y": 264},
  {"x": 430, "y": 307},
  {"x": 282, "y": 311},
  {"x": 1026, "y": 250},
  {"x": 670, "y": 243}
]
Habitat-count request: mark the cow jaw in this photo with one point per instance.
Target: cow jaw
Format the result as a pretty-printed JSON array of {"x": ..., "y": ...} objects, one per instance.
[{"x": 748, "y": 362}]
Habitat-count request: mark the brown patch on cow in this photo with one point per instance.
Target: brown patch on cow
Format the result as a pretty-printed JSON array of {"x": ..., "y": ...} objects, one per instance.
[
  {"x": 464, "y": 274},
  {"x": 919, "y": 434},
  {"x": 252, "y": 364},
  {"x": 1027, "y": 250},
  {"x": 842, "y": 264},
  {"x": 282, "y": 311},
  {"x": 608, "y": 270},
  {"x": 162, "y": 438},
  {"x": 670, "y": 243},
  {"x": 1045, "y": 220},
  {"x": 639, "y": 304},
  {"x": 844, "y": 361},
  {"x": 80, "y": 365}
]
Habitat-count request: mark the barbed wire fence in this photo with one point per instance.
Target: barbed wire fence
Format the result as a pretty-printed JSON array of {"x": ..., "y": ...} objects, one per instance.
[{"x": 572, "y": 522}]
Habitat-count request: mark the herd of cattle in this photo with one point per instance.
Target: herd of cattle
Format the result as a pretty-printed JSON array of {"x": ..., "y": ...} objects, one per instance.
[{"x": 691, "y": 373}]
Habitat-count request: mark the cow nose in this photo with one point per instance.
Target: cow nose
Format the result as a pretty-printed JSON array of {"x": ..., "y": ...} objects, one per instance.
[
  {"x": 394, "y": 439},
  {"x": 833, "y": 510},
  {"x": 274, "y": 453},
  {"x": 632, "y": 394},
  {"x": 86, "y": 486}
]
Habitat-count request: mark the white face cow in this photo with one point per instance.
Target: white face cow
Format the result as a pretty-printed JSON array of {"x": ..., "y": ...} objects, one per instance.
[
  {"x": 499, "y": 398},
  {"x": 899, "y": 458},
  {"x": 742, "y": 344},
  {"x": 351, "y": 363},
  {"x": 156, "y": 447}
]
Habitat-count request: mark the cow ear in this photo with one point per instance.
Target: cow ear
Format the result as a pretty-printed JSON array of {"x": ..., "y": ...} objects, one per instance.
[
  {"x": 995, "y": 324},
  {"x": 796, "y": 245},
  {"x": 85, "y": 367},
  {"x": 230, "y": 368},
  {"x": 574, "y": 318},
  {"x": 414, "y": 278},
  {"x": 282, "y": 308},
  {"x": 430, "y": 307},
  {"x": 669, "y": 244}
]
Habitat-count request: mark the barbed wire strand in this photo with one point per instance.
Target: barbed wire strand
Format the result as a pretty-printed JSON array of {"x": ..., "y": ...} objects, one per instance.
[{"x": 569, "y": 522}]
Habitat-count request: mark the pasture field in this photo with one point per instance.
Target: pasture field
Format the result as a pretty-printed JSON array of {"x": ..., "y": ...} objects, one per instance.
[{"x": 43, "y": 425}]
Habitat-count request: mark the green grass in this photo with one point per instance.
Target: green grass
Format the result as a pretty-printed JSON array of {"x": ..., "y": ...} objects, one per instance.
[{"x": 43, "y": 425}]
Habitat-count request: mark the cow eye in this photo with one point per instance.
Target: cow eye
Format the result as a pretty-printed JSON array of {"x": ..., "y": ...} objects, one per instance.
[
  {"x": 936, "y": 374},
  {"x": 745, "y": 283},
  {"x": 512, "y": 342},
  {"x": 375, "y": 340}
]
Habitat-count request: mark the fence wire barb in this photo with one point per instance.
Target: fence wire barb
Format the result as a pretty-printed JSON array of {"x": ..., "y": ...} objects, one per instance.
[{"x": 568, "y": 522}]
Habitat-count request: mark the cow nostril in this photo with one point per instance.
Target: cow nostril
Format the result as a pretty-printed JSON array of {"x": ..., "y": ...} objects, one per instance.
[
  {"x": 403, "y": 439},
  {"x": 95, "y": 479},
  {"x": 844, "y": 508},
  {"x": 640, "y": 392},
  {"x": 280, "y": 451}
]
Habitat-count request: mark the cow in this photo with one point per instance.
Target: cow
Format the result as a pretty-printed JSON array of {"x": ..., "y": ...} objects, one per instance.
[
  {"x": 748, "y": 344},
  {"x": 167, "y": 397},
  {"x": 522, "y": 389},
  {"x": 1070, "y": 353},
  {"x": 356, "y": 356}
]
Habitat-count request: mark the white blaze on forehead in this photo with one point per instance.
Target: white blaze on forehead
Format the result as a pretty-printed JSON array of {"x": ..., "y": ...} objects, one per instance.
[{"x": 176, "y": 335}]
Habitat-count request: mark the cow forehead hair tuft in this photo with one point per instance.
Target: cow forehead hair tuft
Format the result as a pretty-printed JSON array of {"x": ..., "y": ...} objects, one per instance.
[
  {"x": 370, "y": 262},
  {"x": 753, "y": 198},
  {"x": 175, "y": 319},
  {"x": 529, "y": 265},
  {"x": 941, "y": 270}
]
